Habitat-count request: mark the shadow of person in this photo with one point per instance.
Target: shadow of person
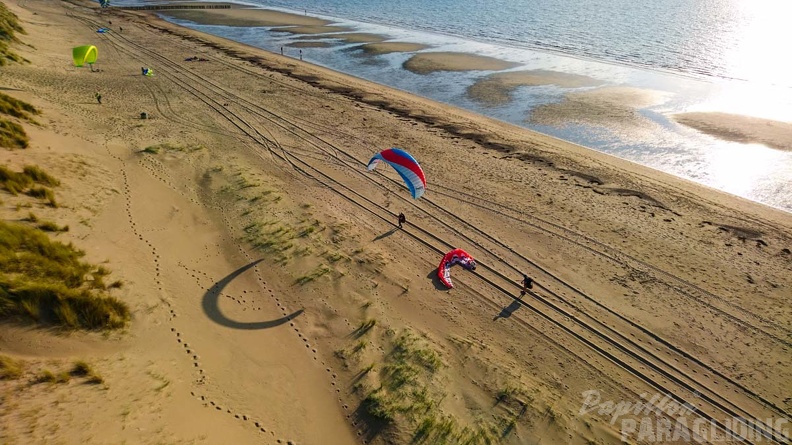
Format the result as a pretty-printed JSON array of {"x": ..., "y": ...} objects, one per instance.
[
  {"x": 386, "y": 234},
  {"x": 211, "y": 308},
  {"x": 508, "y": 310}
]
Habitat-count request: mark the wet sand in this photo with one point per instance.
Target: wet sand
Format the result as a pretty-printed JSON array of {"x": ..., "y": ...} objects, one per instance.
[
  {"x": 238, "y": 16},
  {"x": 392, "y": 47},
  {"x": 427, "y": 63},
  {"x": 610, "y": 107},
  {"x": 737, "y": 128},
  {"x": 496, "y": 89}
]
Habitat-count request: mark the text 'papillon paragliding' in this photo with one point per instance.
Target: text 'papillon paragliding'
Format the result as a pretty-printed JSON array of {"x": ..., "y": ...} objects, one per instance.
[{"x": 406, "y": 166}]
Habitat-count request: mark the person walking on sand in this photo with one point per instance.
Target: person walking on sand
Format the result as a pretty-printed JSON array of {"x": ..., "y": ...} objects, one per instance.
[
  {"x": 98, "y": 97},
  {"x": 402, "y": 220},
  {"x": 300, "y": 54},
  {"x": 527, "y": 283}
]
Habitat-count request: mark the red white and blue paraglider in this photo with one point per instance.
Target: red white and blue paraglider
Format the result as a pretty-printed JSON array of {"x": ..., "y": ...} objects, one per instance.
[
  {"x": 456, "y": 256},
  {"x": 406, "y": 166}
]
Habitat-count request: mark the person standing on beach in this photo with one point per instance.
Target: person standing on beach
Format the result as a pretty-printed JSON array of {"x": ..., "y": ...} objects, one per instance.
[
  {"x": 281, "y": 50},
  {"x": 300, "y": 54},
  {"x": 527, "y": 283},
  {"x": 402, "y": 220},
  {"x": 98, "y": 97}
]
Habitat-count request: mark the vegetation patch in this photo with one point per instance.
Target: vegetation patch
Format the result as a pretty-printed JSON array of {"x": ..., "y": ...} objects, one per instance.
[
  {"x": 12, "y": 135},
  {"x": 31, "y": 181},
  {"x": 45, "y": 281},
  {"x": 47, "y": 376},
  {"x": 83, "y": 369},
  {"x": 9, "y": 368},
  {"x": 17, "y": 108},
  {"x": 167, "y": 146},
  {"x": 405, "y": 395},
  {"x": 9, "y": 26}
]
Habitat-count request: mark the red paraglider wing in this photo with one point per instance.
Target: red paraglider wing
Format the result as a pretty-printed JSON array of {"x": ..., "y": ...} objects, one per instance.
[{"x": 453, "y": 257}]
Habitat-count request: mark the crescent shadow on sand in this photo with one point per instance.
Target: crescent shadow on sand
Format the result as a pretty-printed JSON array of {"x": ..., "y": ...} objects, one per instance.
[{"x": 211, "y": 305}]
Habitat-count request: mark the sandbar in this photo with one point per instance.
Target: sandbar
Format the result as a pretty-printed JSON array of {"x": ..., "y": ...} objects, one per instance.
[
  {"x": 244, "y": 17},
  {"x": 426, "y": 63},
  {"x": 497, "y": 88},
  {"x": 318, "y": 29},
  {"x": 738, "y": 128},
  {"x": 606, "y": 106},
  {"x": 392, "y": 47}
]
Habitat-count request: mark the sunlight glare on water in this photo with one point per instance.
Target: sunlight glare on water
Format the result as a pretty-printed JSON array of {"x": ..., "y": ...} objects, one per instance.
[
  {"x": 731, "y": 170},
  {"x": 758, "y": 54}
]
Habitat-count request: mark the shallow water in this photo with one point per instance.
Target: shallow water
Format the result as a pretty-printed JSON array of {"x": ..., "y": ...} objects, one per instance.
[{"x": 707, "y": 55}]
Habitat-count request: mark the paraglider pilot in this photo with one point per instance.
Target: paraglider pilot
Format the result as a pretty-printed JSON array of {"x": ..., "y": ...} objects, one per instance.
[
  {"x": 402, "y": 219},
  {"x": 527, "y": 283}
]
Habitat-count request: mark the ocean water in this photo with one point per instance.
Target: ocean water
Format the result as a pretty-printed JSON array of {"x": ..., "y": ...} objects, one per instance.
[{"x": 694, "y": 55}]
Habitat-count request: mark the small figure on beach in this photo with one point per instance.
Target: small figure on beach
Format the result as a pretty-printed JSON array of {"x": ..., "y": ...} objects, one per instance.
[
  {"x": 300, "y": 54},
  {"x": 281, "y": 50},
  {"x": 121, "y": 28},
  {"x": 527, "y": 283},
  {"x": 98, "y": 97},
  {"x": 402, "y": 220}
]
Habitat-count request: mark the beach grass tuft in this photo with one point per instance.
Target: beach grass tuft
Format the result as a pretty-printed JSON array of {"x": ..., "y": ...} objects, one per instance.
[
  {"x": 320, "y": 271},
  {"x": 12, "y": 135},
  {"x": 167, "y": 146},
  {"x": 47, "y": 376},
  {"x": 31, "y": 181},
  {"x": 9, "y": 26},
  {"x": 45, "y": 281},
  {"x": 83, "y": 369},
  {"x": 17, "y": 108},
  {"x": 10, "y": 369}
]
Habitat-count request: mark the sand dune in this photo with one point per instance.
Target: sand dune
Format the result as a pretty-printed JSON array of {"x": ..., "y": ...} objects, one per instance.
[{"x": 274, "y": 300}]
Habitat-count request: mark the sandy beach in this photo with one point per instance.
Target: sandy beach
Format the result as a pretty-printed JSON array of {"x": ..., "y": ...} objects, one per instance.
[{"x": 274, "y": 299}]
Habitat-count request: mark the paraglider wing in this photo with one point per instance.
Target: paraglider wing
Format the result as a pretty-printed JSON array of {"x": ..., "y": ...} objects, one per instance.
[
  {"x": 406, "y": 166},
  {"x": 84, "y": 54},
  {"x": 456, "y": 256}
]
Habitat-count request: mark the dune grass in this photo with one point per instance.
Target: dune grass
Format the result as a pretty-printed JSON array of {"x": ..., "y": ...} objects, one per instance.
[
  {"x": 9, "y": 26},
  {"x": 31, "y": 181},
  {"x": 155, "y": 149},
  {"x": 408, "y": 397},
  {"x": 10, "y": 369},
  {"x": 12, "y": 135},
  {"x": 47, "y": 376},
  {"x": 45, "y": 281},
  {"x": 17, "y": 108},
  {"x": 83, "y": 369}
]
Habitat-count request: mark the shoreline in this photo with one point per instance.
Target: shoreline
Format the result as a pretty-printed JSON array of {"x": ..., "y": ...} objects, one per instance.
[
  {"x": 547, "y": 77},
  {"x": 499, "y": 88},
  {"x": 274, "y": 298}
]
